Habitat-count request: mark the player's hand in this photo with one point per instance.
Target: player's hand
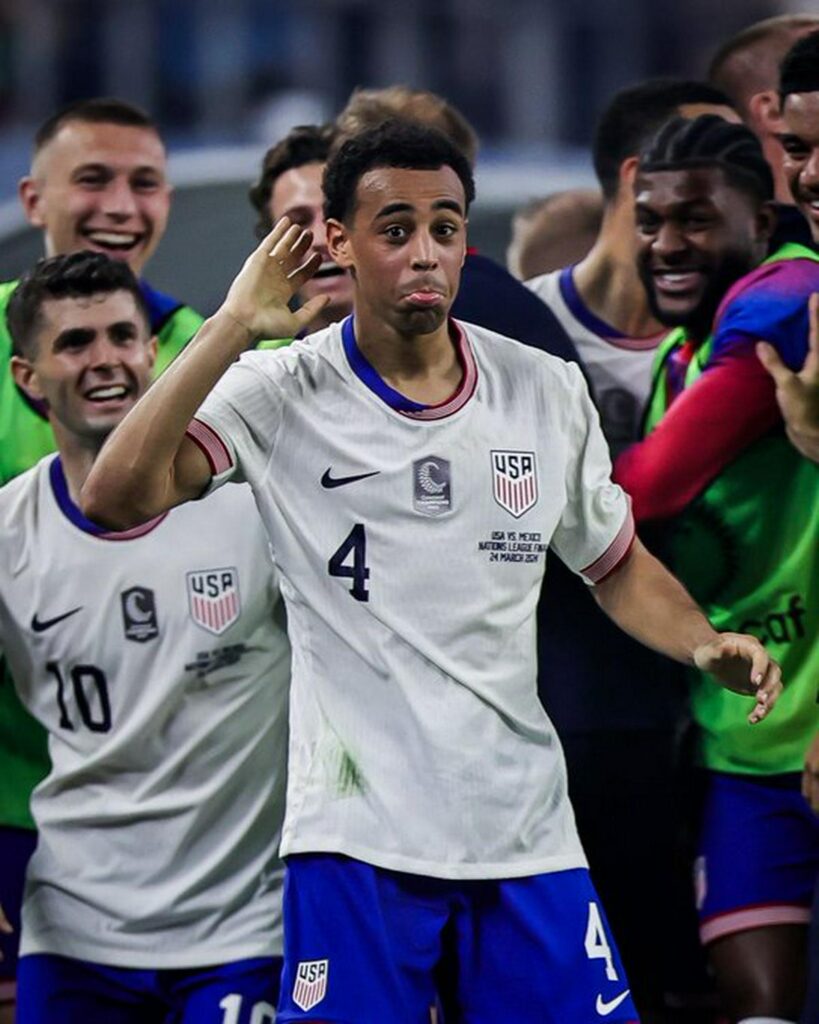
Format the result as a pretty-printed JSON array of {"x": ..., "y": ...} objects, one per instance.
[
  {"x": 810, "y": 776},
  {"x": 798, "y": 393},
  {"x": 5, "y": 925},
  {"x": 259, "y": 296},
  {"x": 740, "y": 663}
]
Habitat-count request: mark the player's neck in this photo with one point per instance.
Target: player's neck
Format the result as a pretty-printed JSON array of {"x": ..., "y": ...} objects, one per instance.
[
  {"x": 424, "y": 368},
  {"x": 607, "y": 279},
  {"x": 77, "y": 456}
]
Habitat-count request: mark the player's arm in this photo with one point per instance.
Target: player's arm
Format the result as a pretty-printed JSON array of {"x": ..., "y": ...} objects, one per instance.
[
  {"x": 798, "y": 393},
  {"x": 651, "y": 605},
  {"x": 712, "y": 422},
  {"x": 810, "y": 775},
  {"x": 148, "y": 465}
]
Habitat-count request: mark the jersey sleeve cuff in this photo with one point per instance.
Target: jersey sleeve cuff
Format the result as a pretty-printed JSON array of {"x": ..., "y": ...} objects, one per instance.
[
  {"x": 219, "y": 456},
  {"x": 614, "y": 554}
]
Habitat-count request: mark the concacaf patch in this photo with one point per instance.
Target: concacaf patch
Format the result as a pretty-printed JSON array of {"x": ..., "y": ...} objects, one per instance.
[
  {"x": 514, "y": 481},
  {"x": 213, "y": 598},
  {"x": 310, "y": 986}
]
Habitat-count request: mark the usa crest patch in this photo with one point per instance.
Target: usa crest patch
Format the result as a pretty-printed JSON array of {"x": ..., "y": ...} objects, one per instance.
[
  {"x": 514, "y": 480},
  {"x": 213, "y": 598},
  {"x": 310, "y": 986}
]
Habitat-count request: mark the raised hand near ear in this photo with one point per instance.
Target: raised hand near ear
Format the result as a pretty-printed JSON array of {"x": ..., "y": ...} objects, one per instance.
[{"x": 259, "y": 296}]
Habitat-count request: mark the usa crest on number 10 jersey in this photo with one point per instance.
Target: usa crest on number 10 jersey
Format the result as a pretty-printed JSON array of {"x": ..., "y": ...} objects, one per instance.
[
  {"x": 158, "y": 663},
  {"x": 412, "y": 543}
]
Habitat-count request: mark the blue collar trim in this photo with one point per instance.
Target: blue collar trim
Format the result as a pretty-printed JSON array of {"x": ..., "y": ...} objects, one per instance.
[
  {"x": 366, "y": 373},
  {"x": 59, "y": 486},
  {"x": 580, "y": 310}
]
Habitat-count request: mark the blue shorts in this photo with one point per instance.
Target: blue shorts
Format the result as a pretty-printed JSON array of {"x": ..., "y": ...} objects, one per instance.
[
  {"x": 58, "y": 988},
  {"x": 364, "y": 945},
  {"x": 16, "y": 846},
  {"x": 758, "y": 854}
]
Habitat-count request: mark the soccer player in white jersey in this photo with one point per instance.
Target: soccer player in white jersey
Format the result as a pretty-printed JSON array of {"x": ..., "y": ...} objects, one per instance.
[
  {"x": 600, "y": 301},
  {"x": 412, "y": 472},
  {"x": 156, "y": 661}
]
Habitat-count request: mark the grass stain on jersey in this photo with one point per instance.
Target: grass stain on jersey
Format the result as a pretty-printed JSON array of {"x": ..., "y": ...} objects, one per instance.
[{"x": 350, "y": 779}]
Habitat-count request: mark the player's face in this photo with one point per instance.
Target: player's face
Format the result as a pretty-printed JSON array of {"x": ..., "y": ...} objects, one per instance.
[
  {"x": 101, "y": 187},
  {"x": 800, "y": 140},
  {"x": 696, "y": 235},
  {"x": 92, "y": 360},
  {"x": 297, "y": 194},
  {"x": 405, "y": 244}
]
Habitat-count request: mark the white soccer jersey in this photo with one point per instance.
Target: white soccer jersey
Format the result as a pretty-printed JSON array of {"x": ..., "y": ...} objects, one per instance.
[
  {"x": 411, "y": 546},
  {"x": 155, "y": 664},
  {"x": 619, "y": 367}
]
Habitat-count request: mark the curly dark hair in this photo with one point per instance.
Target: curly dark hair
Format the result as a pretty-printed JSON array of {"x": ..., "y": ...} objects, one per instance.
[
  {"x": 69, "y": 276},
  {"x": 395, "y": 143},
  {"x": 304, "y": 144}
]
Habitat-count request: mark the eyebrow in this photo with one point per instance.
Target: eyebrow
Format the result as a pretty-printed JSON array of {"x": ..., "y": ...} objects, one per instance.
[{"x": 399, "y": 207}]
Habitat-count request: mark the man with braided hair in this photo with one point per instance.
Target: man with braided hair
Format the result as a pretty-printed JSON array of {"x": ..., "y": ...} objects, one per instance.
[{"x": 745, "y": 506}]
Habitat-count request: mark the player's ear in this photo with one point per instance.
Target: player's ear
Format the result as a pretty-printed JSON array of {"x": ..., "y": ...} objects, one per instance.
[
  {"x": 25, "y": 377},
  {"x": 627, "y": 174},
  {"x": 765, "y": 115},
  {"x": 338, "y": 243},
  {"x": 153, "y": 348},
  {"x": 28, "y": 190}
]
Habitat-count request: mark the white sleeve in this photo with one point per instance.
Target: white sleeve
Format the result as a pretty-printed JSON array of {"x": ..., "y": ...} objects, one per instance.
[
  {"x": 596, "y": 528},
  {"x": 237, "y": 424}
]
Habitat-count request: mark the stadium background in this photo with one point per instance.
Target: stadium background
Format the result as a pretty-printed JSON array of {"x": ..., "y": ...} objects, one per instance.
[{"x": 225, "y": 80}]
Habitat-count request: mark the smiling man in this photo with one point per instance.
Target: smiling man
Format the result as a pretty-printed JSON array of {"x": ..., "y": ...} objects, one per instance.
[
  {"x": 98, "y": 181},
  {"x": 745, "y": 507},
  {"x": 158, "y": 663},
  {"x": 290, "y": 186},
  {"x": 798, "y": 392},
  {"x": 412, "y": 471}
]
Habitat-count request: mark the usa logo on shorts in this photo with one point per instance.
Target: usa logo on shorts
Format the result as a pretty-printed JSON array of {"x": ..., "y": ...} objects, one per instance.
[
  {"x": 514, "y": 481},
  {"x": 311, "y": 983},
  {"x": 213, "y": 598}
]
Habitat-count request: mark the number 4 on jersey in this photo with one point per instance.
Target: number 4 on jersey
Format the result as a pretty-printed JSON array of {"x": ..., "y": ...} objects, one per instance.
[
  {"x": 354, "y": 546},
  {"x": 597, "y": 948}
]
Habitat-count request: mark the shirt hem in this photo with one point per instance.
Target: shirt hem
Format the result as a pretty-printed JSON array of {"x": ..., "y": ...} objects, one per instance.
[
  {"x": 433, "y": 869},
  {"x": 156, "y": 959}
]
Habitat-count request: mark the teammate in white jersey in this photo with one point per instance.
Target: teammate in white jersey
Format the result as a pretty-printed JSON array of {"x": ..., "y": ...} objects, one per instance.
[
  {"x": 156, "y": 661},
  {"x": 412, "y": 472},
  {"x": 600, "y": 301}
]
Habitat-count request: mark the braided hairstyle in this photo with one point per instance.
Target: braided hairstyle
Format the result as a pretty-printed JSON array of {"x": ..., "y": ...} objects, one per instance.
[{"x": 710, "y": 141}]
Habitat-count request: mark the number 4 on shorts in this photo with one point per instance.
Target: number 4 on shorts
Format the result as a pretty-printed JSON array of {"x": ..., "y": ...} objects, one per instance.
[{"x": 597, "y": 948}]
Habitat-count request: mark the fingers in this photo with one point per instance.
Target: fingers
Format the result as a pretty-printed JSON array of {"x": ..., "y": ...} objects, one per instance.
[
  {"x": 768, "y": 691},
  {"x": 769, "y": 357},
  {"x": 291, "y": 246},
  {"x": 310, "y": 310}
]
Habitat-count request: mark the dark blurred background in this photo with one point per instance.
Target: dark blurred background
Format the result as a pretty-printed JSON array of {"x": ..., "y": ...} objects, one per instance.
[{"x": 225, "y": 78}]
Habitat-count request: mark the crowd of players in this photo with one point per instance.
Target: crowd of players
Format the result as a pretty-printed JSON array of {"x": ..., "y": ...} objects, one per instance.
[{"x": 409, "y": 473}]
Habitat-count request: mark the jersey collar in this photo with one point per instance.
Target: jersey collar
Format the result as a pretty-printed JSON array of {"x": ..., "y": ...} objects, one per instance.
[
  {"x": 368, "y": 375},
  {"x": 59, "y": 487}
]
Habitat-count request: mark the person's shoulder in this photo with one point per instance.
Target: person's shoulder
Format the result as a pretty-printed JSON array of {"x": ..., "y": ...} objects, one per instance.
[
  {"x": 787, "y": 276},
  {"x": 545, "y": 286},
  {"x": 19, "y": 503},
  {"x": 770, "y": 303},
  {"x": 286, "y": 360},
  {"x": 504, "y": 352},
  {"x": 166, "y": 311}
]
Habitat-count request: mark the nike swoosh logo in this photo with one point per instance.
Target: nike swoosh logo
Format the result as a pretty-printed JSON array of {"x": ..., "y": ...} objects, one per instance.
[
  {"x": 41, "y": 626},
  {"x": 604, "y": 1009},
  {"x": 330, "y": 481}
]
